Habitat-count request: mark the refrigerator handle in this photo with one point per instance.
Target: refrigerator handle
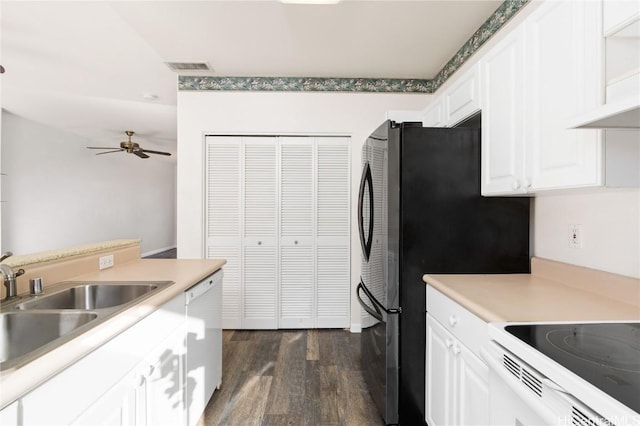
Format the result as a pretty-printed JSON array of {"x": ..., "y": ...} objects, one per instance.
[
  {"x": 374, "y": 313},
  {"x": 365, "y": 182},
  {"x": 376, "y": 304}
]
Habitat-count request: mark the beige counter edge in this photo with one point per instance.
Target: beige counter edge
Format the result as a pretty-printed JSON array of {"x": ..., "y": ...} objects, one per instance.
[{"x": 15, "y": 383}]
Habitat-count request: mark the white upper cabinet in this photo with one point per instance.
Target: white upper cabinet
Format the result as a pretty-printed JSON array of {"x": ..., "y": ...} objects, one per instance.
[
  {"x": 503, "y": 143},
  {"x": 621, "y": 17},
  {"x": 534, "y": 82},
  {"x": 562, "y": 65},
  {"x": 458, "y": 102},
  {"x": 462, "y": 99},
  {"x": 433, "y": 114}
]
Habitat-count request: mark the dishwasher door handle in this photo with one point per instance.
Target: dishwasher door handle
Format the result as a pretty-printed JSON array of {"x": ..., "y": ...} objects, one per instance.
[{"x": 198, "y": 290}]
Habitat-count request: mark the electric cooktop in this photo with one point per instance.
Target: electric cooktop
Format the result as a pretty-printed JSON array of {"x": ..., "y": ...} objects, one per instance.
[{"x": 607, "y": 355}]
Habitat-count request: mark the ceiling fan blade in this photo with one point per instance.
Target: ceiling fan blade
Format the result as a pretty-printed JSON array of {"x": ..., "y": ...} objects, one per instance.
[
  {"x": 102, "y": 147},
  {"x": 109, "y": 152},
  {"x": 155, "y": 152},
  {"x": 140, "y": 154}
]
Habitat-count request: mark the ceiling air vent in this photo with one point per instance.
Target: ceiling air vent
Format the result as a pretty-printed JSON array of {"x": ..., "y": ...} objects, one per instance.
[{"x": 189, "y": 66}]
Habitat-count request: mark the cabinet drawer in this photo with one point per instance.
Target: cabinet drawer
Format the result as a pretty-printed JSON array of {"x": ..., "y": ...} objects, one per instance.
[{"x": 465, "y": 326}]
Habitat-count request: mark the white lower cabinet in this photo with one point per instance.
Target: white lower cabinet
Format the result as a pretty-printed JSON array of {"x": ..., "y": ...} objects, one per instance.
[
  {"x": 149, "y": 395},
  {"x": 137, "y": 378},
  {"x": 10, "y": 414},
  {"x": 457, "y": 381},
  {"x": 116, "y": 380}
]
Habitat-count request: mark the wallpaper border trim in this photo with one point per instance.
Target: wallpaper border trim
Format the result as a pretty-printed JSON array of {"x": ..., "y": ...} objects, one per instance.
[{"x": 372, "y": 85}]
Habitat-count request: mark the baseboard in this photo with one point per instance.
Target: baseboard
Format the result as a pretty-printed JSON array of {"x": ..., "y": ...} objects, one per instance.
[{"x": 356, "y": 328}]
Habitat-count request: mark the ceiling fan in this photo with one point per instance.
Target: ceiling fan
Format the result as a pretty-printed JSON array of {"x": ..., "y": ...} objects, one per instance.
[{"x": 130, "y": 147}]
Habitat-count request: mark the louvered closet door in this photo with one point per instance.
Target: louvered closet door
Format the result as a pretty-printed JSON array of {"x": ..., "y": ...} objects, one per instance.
[
  {"x": 260, "y": 257},
  {"x": 223, "y": 219},
  {"x": 297, "y": 275},
  {"x": 333, "y": 286}
]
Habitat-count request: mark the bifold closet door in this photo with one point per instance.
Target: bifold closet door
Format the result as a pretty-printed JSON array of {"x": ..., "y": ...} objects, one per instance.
[
  {"x": 278, "y": 209},
  {"x": 332, "y": 232},
  {"x": 297, "y": 207},
  {"x": 260, "y": 249},
  {"x": 223, "y": 215}
]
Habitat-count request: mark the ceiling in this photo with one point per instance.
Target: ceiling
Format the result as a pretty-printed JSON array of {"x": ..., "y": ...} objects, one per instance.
[{"x": 97, "y": 68}]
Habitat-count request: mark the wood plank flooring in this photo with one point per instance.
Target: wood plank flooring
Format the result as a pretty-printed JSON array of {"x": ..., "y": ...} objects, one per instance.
[{"x": 291, "y": 377}]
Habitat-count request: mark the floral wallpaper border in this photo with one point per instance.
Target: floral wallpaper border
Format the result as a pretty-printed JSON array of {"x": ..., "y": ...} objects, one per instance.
[{"x": 318, "y": 84}]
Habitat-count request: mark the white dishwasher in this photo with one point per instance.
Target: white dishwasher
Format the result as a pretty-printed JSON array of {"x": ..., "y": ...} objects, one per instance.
[{"x": 203, "y": 366}]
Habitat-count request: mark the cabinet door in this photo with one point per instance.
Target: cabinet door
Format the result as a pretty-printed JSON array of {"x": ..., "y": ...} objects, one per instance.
[
  {"x": 563, "y": 55},
  {"x": 10, "y": 414},
  {"x": 297, "y": 209},
  {"x": 462, "y": 100},
  {"x": 224, "y": 220},
  {"x": 260, "y": 255},
  {"x": 333, "y": 258},
  {"x": 440, "y": 376},
  {"x": 472, "y": 393},
  {"x": 163, "y": 389},
  {"x": 117, "y": 407},
  {"x": 433, "y": 115},
  {"x": 503, "y": 138}
]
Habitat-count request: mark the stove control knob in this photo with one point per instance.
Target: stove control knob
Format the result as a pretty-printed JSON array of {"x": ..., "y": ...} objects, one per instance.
[
  {"x": 448, "y": 342},
  {"x": 456, "y": 350}
]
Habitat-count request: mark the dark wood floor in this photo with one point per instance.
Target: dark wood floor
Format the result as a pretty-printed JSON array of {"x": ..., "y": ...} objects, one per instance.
[{"x": 291, "y": 377}]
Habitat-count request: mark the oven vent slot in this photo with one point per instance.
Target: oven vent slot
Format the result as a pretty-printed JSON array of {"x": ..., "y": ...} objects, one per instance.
[
  {"x": 532, "y": 382},
  {"x": 580, "y": 417},
  {"x": 522, "y": 374},
  {"x": 511, "y": 365}
]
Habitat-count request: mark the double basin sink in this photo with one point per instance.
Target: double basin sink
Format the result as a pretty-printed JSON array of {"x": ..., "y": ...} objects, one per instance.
[{"x": 34, "y": 325}]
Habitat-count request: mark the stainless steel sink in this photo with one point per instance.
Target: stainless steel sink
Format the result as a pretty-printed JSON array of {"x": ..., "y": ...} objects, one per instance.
[
  {"x": 23, "y": 332},
  {"x": 31, "y": 326},
  {"x": 90, "y": 296}
]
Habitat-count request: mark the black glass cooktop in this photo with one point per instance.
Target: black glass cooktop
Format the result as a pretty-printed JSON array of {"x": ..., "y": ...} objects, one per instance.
[{"x": 607, "y": 355}]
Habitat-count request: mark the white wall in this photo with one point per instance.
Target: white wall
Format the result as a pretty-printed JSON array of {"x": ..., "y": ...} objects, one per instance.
[
  {"x": 58, "y": 194},
  {"x": 351, "y": 114},
  {"x": 610, "y": 227}
]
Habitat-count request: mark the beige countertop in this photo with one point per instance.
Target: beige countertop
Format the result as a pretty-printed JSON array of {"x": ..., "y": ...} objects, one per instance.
[
  {"x": 543, "y": 296},
  {"x": 184, "y": 273}
]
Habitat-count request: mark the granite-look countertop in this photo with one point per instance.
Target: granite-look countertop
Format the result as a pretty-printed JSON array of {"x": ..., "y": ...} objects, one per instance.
[
  {"x": 552, "y": 292},
  {"x": 47, "y": 256},
  {"x": 184, "y": 273}
]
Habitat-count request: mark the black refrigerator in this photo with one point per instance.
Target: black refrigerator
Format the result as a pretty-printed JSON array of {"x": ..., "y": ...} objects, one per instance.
[{"x": 420, "y": 212}]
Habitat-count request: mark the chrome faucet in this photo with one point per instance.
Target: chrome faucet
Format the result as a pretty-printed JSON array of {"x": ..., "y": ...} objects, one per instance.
[{"x": 9, "y": 276}]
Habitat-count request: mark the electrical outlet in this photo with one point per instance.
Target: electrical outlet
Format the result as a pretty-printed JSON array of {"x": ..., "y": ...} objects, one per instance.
[
  {"x": 106, "y": 261},
  {"x": 575, "y": 236}
]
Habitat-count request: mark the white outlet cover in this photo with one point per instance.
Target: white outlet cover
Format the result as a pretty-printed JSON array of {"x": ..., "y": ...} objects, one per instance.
[{"x": 575, "y": 236}]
